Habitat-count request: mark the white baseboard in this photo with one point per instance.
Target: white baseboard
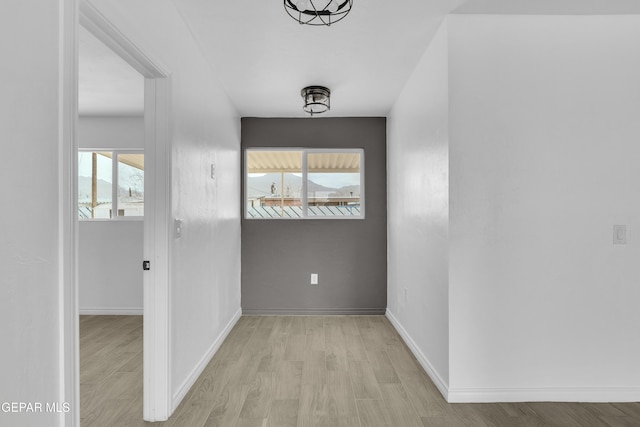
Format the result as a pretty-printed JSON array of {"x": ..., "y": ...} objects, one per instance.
[
  {"x": 313, "y": 311},
  {"x": 546, "y": 394},
  {"x": 442, "y": 385},
  {"x": 195, "y": 373},
  {"x": 108, "y": 311}
]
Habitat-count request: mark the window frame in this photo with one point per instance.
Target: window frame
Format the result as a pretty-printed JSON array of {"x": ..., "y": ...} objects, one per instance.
[
  {"x": 114, "y": 185},
  {"x": 305, "y": 193}
]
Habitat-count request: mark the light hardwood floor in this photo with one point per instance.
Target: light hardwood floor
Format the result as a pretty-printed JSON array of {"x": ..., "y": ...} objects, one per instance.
[{"x": 302, "y": 371}]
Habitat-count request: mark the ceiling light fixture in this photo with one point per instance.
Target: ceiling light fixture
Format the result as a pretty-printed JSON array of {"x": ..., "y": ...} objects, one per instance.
[
  {"x": 318, "y": 12},
  {"x": 316, "y": 99}
]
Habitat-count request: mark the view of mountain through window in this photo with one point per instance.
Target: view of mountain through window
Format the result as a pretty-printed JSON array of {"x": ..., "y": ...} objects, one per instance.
[
  {"x": 97, "y": 173},
  {"x": 304, "y": 184}
]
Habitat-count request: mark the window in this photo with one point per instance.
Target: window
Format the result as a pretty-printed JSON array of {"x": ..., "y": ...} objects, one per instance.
[
  {"x": 106, "y": 186},
  {"x": 304, "y": 184}
]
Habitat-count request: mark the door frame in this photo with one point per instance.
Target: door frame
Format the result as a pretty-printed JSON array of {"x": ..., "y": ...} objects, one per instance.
[{"x": 157, "y": 402}]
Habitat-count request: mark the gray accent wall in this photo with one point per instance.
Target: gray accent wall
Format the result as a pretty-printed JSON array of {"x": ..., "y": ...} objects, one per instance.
[{"x": 349, "y": 255}]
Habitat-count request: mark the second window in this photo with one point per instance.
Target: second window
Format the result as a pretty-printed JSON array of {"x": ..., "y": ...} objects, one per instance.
[{"x": 304, "y": 183}]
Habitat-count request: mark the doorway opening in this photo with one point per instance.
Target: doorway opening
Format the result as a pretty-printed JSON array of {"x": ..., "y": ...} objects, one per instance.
[
  {"x": 151, "y": 223},
  {"x": 110, "y": 207}
]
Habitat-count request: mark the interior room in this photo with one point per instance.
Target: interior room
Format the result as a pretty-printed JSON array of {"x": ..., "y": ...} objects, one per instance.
[{"x": 417, "y": 215}]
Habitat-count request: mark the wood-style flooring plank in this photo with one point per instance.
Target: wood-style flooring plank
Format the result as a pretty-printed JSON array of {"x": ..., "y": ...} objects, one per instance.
[
  {"x": 259, "y": 397},
  {"x": 382, "y": 367},
  {"x": 198, "y": 403},
  {"x": 289, "y": 380},
  {"x": 611, "y": 421},
  {"x": 314, "y": 368},
  {"x": 320, "y": 407},
  {"x": 365, "y": 385},
  {"x": 397, "y": 407},
  {"x": 553, "y": 414},
  {"x": 282, "y": 325},
  {"x": 371, "y": 413},
  {"x": 340, "y": 388},
  {"x": 283, "y": 413},
  {"x": 425, "y": 401},
  {"x": 296, "y": 346},
  {"x": 226, "y": 408}
]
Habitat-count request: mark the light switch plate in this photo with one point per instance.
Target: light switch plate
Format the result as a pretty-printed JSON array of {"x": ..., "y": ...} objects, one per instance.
[
  {"x": 178, "y": 228},
  {"x": 619, "y": 234}
]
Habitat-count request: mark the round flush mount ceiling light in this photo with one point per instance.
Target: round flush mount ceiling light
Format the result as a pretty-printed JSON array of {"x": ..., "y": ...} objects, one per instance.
[
  {"x": 316, "y": 99},
  {"x": 318, "y": 12}
]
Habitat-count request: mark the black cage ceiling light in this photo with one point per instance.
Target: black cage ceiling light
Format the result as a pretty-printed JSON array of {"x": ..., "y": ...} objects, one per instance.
[
  {"x": 316, "y": 99},
  {"x": 318, "y": 12}
]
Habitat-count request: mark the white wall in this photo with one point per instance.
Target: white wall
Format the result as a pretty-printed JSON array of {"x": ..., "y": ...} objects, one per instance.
[
  {"x": 110, "y": 267},
  {"x": 544, "y": 152},
  {"x": 205, "y": 261},
  {"x": 30, "y": 275},
  {"x": 111, "y": 132},
  {"x": 110, "y": 252},
  {"x": 417, "y": 159}
]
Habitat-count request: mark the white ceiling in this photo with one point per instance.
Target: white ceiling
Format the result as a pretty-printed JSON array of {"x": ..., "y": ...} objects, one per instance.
[
  {"x": 551, "y": 7},
  {"x": 263, "y": 57}
]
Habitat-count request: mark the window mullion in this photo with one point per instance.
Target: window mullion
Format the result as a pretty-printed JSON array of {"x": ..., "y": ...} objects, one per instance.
[
  {"x": 305, "y": 193},
  {"x": 114, "y": 185}
]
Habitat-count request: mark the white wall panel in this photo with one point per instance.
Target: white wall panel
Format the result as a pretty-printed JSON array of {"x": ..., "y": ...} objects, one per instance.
[
  {"x": 110, "y": 267},
  {"x": 111, "y": 132},
  {"x": 543, "y": 162},
  {"x": 30, "y": 275},
  {"x": 418, "y": 180}
]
